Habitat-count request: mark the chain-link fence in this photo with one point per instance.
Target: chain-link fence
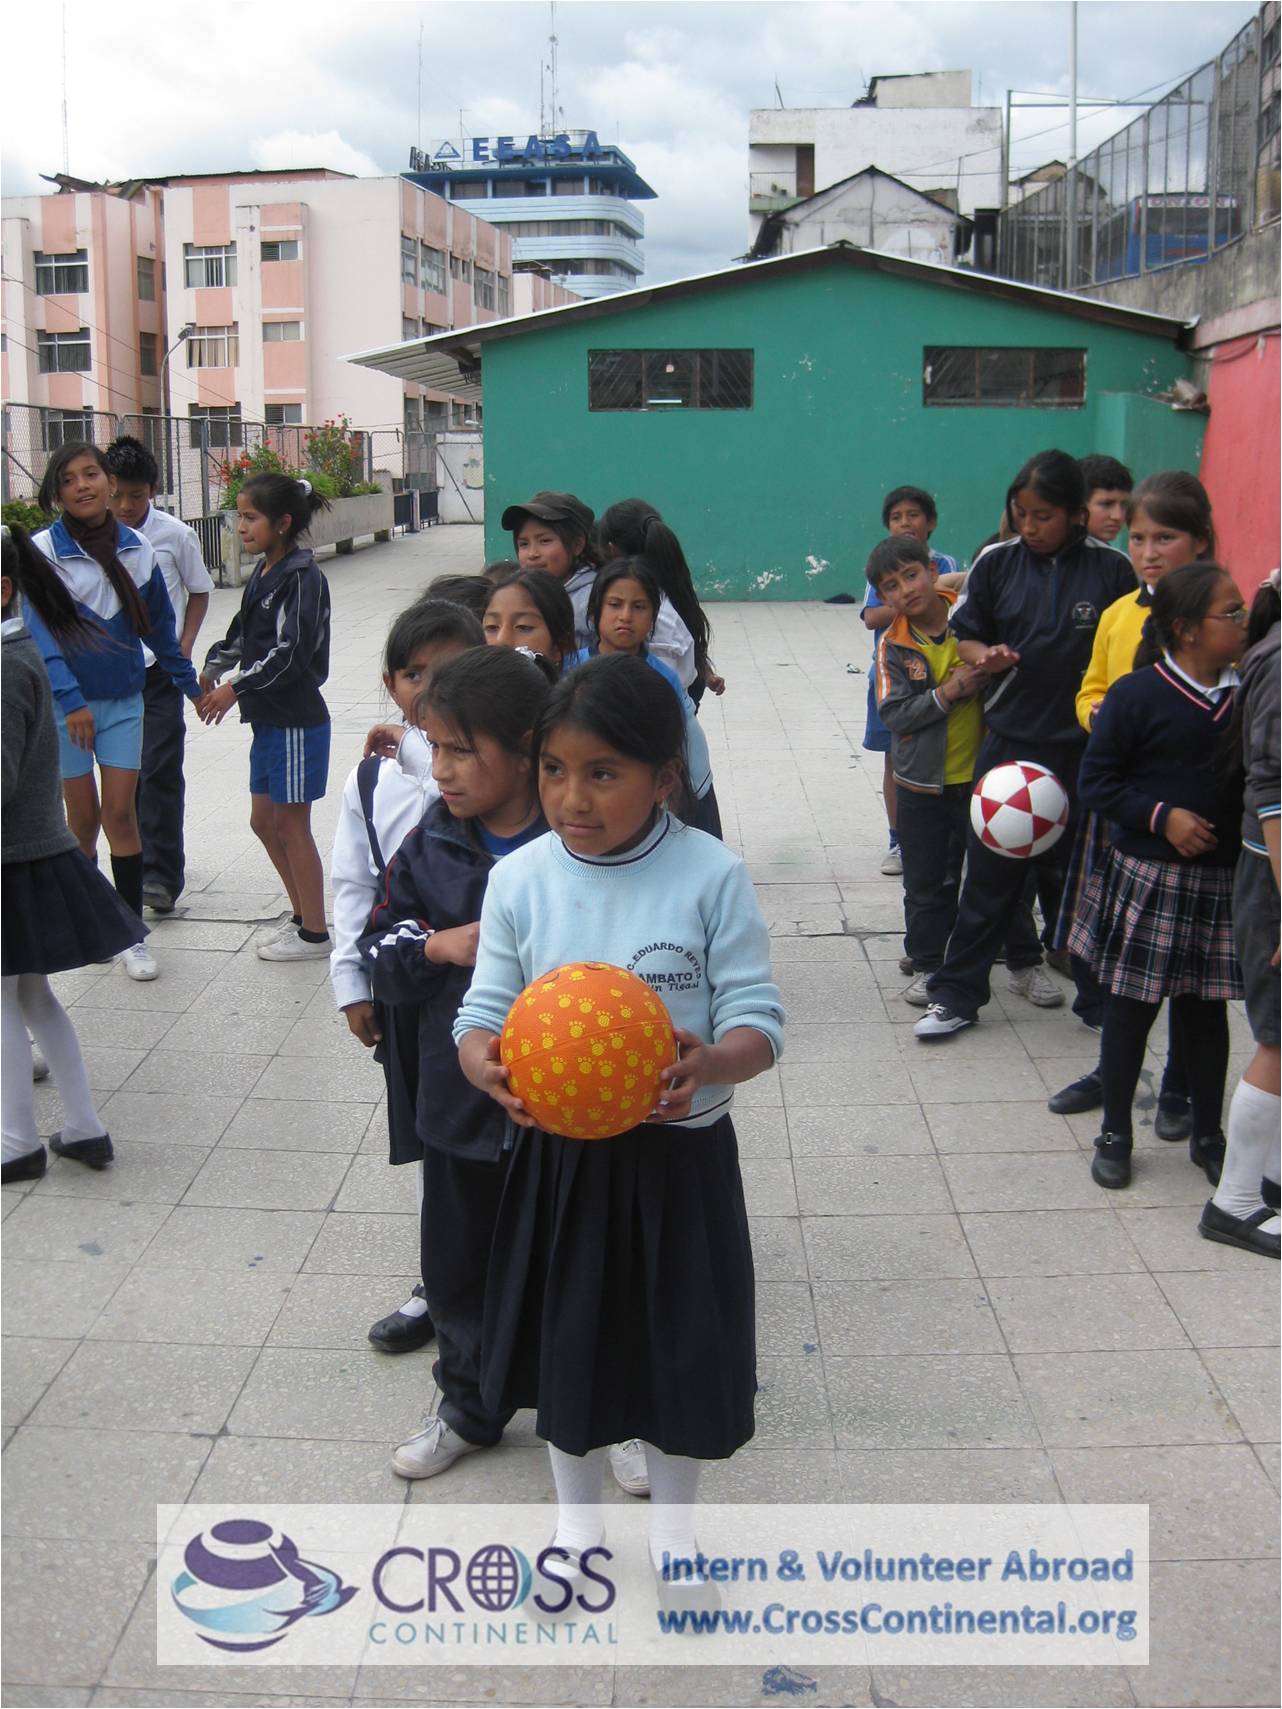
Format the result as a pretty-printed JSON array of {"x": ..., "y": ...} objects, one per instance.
[
  {"x": 198, "y": 456},
  {"x": 1194, "y": 172}
]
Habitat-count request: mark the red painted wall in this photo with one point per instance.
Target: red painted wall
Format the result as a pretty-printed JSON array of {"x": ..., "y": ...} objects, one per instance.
[{"x": 1241, "y": 455}]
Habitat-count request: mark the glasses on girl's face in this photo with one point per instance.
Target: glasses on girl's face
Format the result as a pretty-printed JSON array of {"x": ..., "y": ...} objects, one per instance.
[{"x": 1239, "y": 615}]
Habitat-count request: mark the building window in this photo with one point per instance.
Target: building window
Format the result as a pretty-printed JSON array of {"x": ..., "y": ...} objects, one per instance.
[
  {"x": 436, "y": 417},
  {"x": 669, "y": 379},
  {"x": 282, "y": 331},
  {"x": 283, "y": 415},
  {"x": 409, "y": 260},
  {"x": 504, "y": 304},
  {"x": 225, "y": 431},
  {"x": 61, "y": 427},
  {"x": 432, "y": 268},
  {"x": 460, "y": 268},
  {"x": 281, "y": 249},
  {"x": 214, "y": 347},
  {"x": 147, "y": 354},
  {"x": 62, "y": 275},
  {"x": 978, "y": 375},
  {"x": 413, "y": 419},
  {"x": 469, "y": 191},
  {"x": 483, "y": 288},
  {"x": 64, "y": 352},
  {"x": 209, "y": 264},
  {"x": 409, "y": 328},
  {"x": 146, "y": 279}
]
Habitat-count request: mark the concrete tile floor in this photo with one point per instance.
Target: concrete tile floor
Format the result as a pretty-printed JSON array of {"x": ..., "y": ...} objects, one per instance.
[{"x": 948, "y": 1308}]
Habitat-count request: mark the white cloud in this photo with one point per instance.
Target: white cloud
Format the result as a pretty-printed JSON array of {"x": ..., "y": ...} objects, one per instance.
[{"x": 312, "y": 148}]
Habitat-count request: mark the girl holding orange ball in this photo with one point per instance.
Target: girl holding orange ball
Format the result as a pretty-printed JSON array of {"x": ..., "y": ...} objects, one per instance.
[{"x": 620, "y": 1297}]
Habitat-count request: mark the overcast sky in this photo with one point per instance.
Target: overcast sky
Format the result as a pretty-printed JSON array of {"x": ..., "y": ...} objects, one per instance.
[{"x": 178, "y": 87}]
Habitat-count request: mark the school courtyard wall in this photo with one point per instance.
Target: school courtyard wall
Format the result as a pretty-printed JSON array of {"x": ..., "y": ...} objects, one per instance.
[{"x": 783, "y": 500}]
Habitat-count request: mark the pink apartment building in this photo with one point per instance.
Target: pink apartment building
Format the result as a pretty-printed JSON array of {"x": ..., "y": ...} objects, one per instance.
[{"x": 233, "y": 297}]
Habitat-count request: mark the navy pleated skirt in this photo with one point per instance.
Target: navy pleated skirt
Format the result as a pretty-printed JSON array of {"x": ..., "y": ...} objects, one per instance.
[
  {"x": 59, "y": 913},
  {"x": 619, "y": 1301}
]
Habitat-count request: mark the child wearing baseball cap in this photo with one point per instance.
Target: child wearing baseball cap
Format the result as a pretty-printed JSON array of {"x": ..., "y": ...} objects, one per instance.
[{"x": 553, "y": 532}]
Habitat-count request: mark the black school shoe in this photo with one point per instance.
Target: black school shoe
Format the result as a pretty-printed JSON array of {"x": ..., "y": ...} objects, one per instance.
[
  {"x": 1173, "y": 1118},
  {"x": 1078, "y": 1096},
  {"x": 29, "y": 1167},
  {"x": 1208, "y": 1155},
  {"x": 93, "y": 1153},
  {"x": 398, "y": 1333},
  {"x": 1269, "y": 1192},
  {"x": 1245, "y": 1232},
  {"x": 1111, "y": 1164}
]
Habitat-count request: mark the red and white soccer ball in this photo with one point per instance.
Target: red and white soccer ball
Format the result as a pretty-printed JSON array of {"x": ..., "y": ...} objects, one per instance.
[{"x": 1019, "y": 809}]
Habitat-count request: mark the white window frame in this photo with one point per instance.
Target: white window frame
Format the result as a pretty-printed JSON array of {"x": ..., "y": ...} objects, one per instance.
[
  {"x": 278, "y": 244},
  {"x": 56, "y": 269},
  {"x": 409, "y": 260},
  {"x": 284, "y": 420},
  {"x": 214, "y": 347},
  {"x": 54, "y": 347},
  {"x": 433, "y": 269},
  {"x": 146, "y": 269},
  {"x": 209, "y": 266},
  {"x": 282, "y": 331}
]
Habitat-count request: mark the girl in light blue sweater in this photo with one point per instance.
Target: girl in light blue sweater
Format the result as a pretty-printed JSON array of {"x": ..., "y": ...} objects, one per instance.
[{"x": 620, "y": 1296}]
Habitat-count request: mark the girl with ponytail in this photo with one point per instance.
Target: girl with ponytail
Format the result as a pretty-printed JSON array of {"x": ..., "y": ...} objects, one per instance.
[
  {"x": 116, "y": 591},
  {"x": 633, "y": 528}
]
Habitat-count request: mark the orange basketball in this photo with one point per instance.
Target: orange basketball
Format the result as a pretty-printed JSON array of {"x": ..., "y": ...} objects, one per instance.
[{"x": 583, "y": 1047}]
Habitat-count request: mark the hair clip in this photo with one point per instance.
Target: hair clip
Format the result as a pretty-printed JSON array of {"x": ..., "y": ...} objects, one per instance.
[
  {"x": 527, "y": 652},
  {"x": 305, "y": 483}
]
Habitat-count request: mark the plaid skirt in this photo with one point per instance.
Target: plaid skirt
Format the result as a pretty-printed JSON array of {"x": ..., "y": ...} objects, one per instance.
[
  {"x": 1090, "y": 846},
  {"x": 1151, "y": 929}
]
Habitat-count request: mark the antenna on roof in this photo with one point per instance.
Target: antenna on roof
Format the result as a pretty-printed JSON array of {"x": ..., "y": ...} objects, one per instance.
[
  {"x": 552, "y": 47},
  {"x": 418, "y": 128},
  {"x": 778, "y": 92},
  {"x": 66, "y": 146}
]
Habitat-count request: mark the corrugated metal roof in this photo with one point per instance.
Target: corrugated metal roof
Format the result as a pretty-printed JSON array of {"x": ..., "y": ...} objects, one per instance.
[{"x": 451, "y": 361}]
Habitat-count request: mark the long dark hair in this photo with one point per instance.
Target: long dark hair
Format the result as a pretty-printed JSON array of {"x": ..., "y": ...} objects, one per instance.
[
  {"x": 41, "y": 587},
  {"x": 427, "y": 623},
  {"x": 633, "y": 526},
  {"x": 624, "y": 570},
  {"x": 278, "y": 496},
  {"x": 550, "y": 600},
  {"x": 122, "y": 583},
  {"x": 1178, "y": 500},
  {"x": 622, "y": 702},
  {"x": 490, "y": 691},
  {"x": 1182, "y": 596}
]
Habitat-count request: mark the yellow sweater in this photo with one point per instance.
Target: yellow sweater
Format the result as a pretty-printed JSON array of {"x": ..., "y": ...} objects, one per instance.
[{"x": 1113, "y": 654}]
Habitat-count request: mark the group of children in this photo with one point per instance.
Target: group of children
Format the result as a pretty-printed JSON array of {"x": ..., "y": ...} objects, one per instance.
[{"x": 1119, "y": 676}]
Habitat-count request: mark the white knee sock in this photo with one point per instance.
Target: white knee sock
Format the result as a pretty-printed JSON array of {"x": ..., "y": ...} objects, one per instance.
[
  {"x": 579, "y": 1521},
  {"x": 17, "y": 1106},
  {"x": 52, "y": 1030},
  {"x": 1252, "y": 1152},
  {"x": 674, "y": 1490},
  {"x": 416, "y": 1305}
]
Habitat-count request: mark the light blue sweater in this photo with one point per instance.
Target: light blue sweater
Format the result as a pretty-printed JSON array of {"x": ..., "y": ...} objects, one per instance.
[{"x": 679, "y": 911}]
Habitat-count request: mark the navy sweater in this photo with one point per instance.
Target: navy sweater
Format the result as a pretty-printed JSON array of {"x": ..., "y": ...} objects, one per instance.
[
  {"x": 1157, "y": 744},
  {"x": 1047, "y": 609},
  {"x": 436, "y": 880},
  {"x": 279, "y": 644}
]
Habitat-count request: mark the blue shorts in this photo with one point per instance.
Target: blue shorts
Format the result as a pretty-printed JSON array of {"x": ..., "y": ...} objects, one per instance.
[
  {"x": 876, "y": 735},
  {"x": 117, "y": 737},
  {"x": 291, "y": 764}
]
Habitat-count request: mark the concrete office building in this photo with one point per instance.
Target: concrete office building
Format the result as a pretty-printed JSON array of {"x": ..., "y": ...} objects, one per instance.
[
  {"x": 565, "y": 201},
  {"x": 921, "y": 129}
]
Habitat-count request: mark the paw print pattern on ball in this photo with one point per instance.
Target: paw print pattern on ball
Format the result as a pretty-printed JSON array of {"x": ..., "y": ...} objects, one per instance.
[{"x": 565, "y": 1035}]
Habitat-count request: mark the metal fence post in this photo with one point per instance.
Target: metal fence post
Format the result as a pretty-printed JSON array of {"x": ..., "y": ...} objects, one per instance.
[{"x": 204, "y": 463}]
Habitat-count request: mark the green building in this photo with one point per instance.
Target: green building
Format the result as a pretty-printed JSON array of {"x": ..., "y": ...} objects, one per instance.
[{"x": 767, "y": 409}]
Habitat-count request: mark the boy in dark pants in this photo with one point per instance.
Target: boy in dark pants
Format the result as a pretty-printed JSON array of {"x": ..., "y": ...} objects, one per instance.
[
  {"x": 927, "y": 699},
  {"x": 161, "y": 788}
]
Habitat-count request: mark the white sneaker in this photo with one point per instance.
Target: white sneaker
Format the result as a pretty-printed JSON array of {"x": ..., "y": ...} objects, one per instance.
[
  {"x": 917, "y": 994},
  {"x": 139, "y": 963},
  {"x": 1037, "y": 986},
  {"x": 627, "y": 1462},
  {"x": 939, "y": 1022},
  {"x": 892, "y": 862},
  {"x": 430, "y": 1450},
  {"x": 290, "y": 947}
]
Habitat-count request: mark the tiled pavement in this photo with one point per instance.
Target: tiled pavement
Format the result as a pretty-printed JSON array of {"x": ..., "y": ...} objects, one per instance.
[{"x": 948, "y": 1308}]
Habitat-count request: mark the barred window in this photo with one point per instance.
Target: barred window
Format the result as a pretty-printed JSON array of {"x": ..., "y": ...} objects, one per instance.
[
  {"x": 64, "y": 352},
  {"x": 986, "y": 376},
  {"x": 280, "y": 249},
  {"x": 214, "y": 347},
  {"x": 61, "y": 275},
  {"x": 209, "y": 264},
  {"x": 146, "y": 279},
  {"x": 670, "y": 379},
  {"x": 59, "y": 427},
  {"x": 225, "y": 430}
]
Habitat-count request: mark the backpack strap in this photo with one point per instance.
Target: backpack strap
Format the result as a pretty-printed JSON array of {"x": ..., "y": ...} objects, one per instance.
[{"x": 366, "y": 784}]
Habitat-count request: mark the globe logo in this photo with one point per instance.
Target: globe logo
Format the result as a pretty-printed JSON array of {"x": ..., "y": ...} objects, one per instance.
[
  {"x": 244, "y": 1584},
  {"x": 498, "y": 1578}
]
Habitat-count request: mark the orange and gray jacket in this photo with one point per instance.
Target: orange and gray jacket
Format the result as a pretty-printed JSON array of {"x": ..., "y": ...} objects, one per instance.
[{"x": 910, "y": 707}]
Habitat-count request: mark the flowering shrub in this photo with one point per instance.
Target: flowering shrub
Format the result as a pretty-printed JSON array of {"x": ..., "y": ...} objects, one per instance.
[
  {"x": 334, "y": 450},
  {"x": 334, "y": 459},
  {"x": 234, "y": 472}
]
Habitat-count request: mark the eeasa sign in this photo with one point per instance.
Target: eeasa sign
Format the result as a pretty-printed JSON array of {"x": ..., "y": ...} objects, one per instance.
[{"x": 459, "y": 156}]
